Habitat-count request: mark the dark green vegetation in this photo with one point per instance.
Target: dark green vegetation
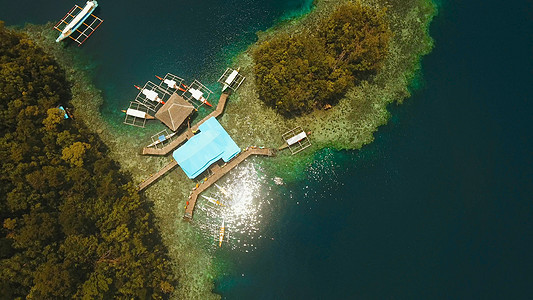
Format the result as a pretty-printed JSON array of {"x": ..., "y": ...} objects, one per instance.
[
  {"x": 299, "y": 72},
  {"x": 72, "y": 225}
]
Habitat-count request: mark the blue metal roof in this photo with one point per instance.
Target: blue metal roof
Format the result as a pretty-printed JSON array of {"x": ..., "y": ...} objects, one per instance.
[{"x": 205, "y": 148}]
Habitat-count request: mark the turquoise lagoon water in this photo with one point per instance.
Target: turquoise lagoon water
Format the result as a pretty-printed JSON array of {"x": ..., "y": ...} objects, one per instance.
[{"x": 439, "y": 206}]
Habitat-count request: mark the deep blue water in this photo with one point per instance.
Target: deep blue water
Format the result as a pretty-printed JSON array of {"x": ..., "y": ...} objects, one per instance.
[{"x": 439, "y": 206}]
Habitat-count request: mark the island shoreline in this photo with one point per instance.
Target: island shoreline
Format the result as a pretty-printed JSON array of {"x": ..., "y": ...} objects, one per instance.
[{"x": 244, "y": 107}]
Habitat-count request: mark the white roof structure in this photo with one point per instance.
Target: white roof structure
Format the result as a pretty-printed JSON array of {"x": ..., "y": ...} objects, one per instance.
[
  {"x": 231, "y": 79},
  {"x": 296, "y": 139},
  {"x": 151, "y": 95}
]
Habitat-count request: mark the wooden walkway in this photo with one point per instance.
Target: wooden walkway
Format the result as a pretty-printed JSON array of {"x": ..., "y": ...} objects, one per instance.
[
  {"x": 158, "y": 175},
  {"x": 189, "y": 132},
  {"x": 217, "y": 173}
]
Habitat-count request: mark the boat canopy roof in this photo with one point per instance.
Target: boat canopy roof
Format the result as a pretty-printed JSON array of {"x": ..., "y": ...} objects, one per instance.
[
  {"x": 202, "y": 150},
  {"x": 231, "y": 79},
  {"x": 136, "y": 113},
  {"x": 170, "y": 83},
  {"x": 152, "y": 95},
  {"x": 295, "y": 139},
  {"x": 196, "y": 94}
]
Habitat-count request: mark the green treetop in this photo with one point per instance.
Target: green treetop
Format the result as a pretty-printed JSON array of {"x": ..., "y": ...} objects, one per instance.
[{"x": 300, "y": 72}]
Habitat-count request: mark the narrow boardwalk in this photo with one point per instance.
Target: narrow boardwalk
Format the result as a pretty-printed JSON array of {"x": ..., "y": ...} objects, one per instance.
[
  {"x": 157, "y": 175},
  {"x": 217, "y": 173},
  {"x": 188, "y": 133}
]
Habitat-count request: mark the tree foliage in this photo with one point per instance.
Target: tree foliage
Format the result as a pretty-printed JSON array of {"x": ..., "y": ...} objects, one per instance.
[
  {"x": 72, "y": 225},
  {"x": 296, "y": 73}
]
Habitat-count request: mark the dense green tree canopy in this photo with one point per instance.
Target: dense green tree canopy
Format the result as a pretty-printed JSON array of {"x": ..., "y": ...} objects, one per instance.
[
  {"x": 296, "y": 73},
  {"x": 71, "y": 224}
]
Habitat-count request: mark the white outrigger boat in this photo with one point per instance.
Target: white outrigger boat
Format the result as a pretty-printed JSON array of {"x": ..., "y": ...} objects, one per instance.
[
  {"x": 173, "y": 84},
  {"x": 223, "y": 190},
  {"x": 77, "y": 21},
  {"x": 150, "y": 95},
  {"x": 214, "y": 201},
  {"x": 221, "y": 234},
  {"x": 161, "y": 139},
  {"x": 230, "y": 79},
  {"x": 138, "y": 114},
  {"x": 199, "y": 95}
]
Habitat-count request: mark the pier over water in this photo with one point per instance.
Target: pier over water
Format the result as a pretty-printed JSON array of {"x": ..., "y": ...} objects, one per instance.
[
  {"x": 218, "y": 172},
  {"x": 189, "y": 133},
  {"x": 215, "y": 172},
  {"x": 158, "y": 175}
]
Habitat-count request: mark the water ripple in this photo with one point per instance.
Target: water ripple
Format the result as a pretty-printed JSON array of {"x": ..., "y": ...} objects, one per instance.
[{"x": 244, "y": 192}]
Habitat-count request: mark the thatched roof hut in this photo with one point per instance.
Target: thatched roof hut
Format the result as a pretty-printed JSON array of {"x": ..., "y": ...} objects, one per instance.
[{"x": 174, "y": 112}]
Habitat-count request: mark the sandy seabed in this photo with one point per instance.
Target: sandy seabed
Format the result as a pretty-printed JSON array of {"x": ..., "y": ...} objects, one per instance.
[{"x": 349, "y": 125}]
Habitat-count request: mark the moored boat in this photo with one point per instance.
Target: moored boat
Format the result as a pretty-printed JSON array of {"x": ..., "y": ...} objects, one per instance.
[
  {"x": 212, "y": 200},
  {"x": 221, "y": 234},
  {"x": 230, "y": 79},
  {"x": 223, "y": 190},
  {"x": 161, "y": 139},
  {"x": 138, "y": 114},
  {"x": 150, "y": 95},
  {"x": 172, "y": 83},
  {"x": 90, "y": 6},
  {"x": 198, "y": 95}
]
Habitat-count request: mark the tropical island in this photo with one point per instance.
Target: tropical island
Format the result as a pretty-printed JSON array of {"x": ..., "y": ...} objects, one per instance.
[{"x": 301, "y": 67}]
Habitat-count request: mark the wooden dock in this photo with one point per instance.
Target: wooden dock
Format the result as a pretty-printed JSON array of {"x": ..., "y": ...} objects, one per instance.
[
  {"x": 218, "y": 172},
  {"x": 153, "y": 178},
  {"x": 189, "y": 132}
]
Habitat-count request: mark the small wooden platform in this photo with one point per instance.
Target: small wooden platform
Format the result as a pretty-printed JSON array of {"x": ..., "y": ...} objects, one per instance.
[
  {"x": 186, "y": 135},
  {"x": 218, "y": 172}
]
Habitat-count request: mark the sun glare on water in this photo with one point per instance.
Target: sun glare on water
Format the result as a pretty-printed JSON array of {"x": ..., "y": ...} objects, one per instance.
[{"x": 242, "y": 194}]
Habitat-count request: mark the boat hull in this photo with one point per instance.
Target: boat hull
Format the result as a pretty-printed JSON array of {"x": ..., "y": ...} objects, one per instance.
[
  {"x": 221, "y": 235},
  {"x": 70, "y": 28}
]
